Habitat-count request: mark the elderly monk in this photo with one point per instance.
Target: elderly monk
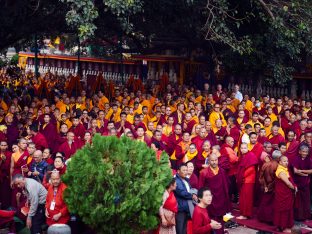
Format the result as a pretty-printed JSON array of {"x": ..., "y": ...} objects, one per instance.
[
  {"x": 55, "y": 209},
  {"x": 284, "y": 197},
  {"x": 246, "y": 176},
  {"x": 302, "y": 166},
  {"x": 227, "y": 150},
  {"x": 216, "y": 179},
  {"x": 275, "y": 137},
  {"x": 70, "y": 146},
  {"x": 267, "y": 181}
]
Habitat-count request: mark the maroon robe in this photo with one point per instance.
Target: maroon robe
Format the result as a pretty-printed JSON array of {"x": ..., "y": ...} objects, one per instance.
[
  {"x": 285, "y": 125},
  {"x": 220, "y": 135},
  {"x": 173, "y": 140},
  {"x": 40, "y": 141},
  {"x": 267, "y": 179},
  {"x": 292, "y": 150},
  {"x": 212, "y": 138},
  {"x": 275, "y": 140},
  {"x": 227, "y": 151},
  {"x": 193, "y": 180},
  {"x": 218, "y": 185},
  {"x": 198, "y": 141},
  {"x": 257, "y": 150},
  {"x": 22, "y": 161},
  {"x": 12, "y": 135},
  {"x": 3, "y": 136},
  {"x": 200, "y": 161},
  {"x": 235, "y": 134},
  {"x": 126, "y": 125},
  {"x": 79, "y": 130},
  {"x": 59, "y": 140},
  {"x": 176, "y": 118},
  {"x": 189, "y": 126},
  {"x": 302, "y": 201},
  {"x": 262, "y": 139},
  {"x": 283, "y": 205},
  {"x": 50, "y": 132},
  {"x": 246, "y": 175},
  {"x": 163, "y": 119},
  {"x": 5, "y": 188},
  {"x": 69, "y": 150}
]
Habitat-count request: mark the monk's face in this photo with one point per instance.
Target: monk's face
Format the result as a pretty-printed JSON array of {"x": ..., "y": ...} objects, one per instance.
[
  {"x": 202, "y": 133},
  {"x": 140, "y": 132},
  {"x": 291, "y": 136},
  {"x": 22, "y": 145},
  {"x": 218, "y": 123},
  {"x": 87, "y": 137},
  {"x": 267, "y": 122},
  {"x": 213, "y": 161},
  {"x": 3, "y": 146},
  {"x": 244, "y": 149},
  {"x": 284, "y": 161},
  {"x": 186, "y": 137},
  {"x": 304, "y": 152},
  {"x": 275, "y": 131},
  {"x": 253, "y": 139},
  {"x": 283, "y": 149},
  {"x": 188, "y": 116},
  {"x": 157, "y": 136}
]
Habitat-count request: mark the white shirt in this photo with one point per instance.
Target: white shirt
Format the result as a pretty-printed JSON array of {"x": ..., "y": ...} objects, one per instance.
[
  {"x": 245, "y": 138},
  {"x": 239, "y": 96}
]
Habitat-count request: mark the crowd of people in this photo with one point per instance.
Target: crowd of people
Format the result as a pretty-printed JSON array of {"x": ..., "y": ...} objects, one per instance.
[{"x": 223, "y": 147}]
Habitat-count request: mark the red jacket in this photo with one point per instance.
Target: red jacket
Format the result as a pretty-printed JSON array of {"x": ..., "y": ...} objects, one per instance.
[{"x": 60, "y": 205}]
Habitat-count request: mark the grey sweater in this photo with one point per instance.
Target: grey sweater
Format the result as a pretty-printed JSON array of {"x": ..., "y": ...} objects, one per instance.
[{"x": 36, "y": 194}]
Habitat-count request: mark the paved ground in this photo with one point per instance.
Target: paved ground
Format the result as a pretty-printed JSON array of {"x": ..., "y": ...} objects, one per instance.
[{"x": 242, "y": 230}]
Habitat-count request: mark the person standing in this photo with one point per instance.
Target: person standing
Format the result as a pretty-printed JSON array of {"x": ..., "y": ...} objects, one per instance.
[
  {"x": 267, "y": 182},
  {"x": 246, "y": 177},
  {"x": 36, "y": 198},
  {"x": 202, "y": 224},
  {"x": 184, "y": 197},
  {"x": 302, "y": 166},
  {"x": 55, "y": 209},
  {"x": 284, "y": 197},
  {"x": 168, "y": 210},
  {"x": 215, "y": 178}
]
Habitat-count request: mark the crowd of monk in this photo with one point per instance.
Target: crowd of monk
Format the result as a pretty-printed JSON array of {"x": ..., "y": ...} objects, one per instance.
[{"x": 256, "y": 152}]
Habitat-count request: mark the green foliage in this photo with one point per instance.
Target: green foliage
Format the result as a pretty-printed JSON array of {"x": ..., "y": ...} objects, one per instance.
[
  {"x": 2, "y": 63},
  {"x": 116, "y": 185},
  {"x": 14, "y": 60}
]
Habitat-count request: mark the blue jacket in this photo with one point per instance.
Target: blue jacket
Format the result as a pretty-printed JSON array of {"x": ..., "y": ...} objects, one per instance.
[
  {"x": 182, "y": 195},
  {"x": 40, "y": 167}
]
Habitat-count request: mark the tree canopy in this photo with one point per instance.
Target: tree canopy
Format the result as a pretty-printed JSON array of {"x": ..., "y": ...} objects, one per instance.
[
  {"x": 251, "y": 37},
  {"x": 116, "y": 185}
]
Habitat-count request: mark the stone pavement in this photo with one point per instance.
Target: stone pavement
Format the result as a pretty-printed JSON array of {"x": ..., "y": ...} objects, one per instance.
[{"x": 242, "y": 230}]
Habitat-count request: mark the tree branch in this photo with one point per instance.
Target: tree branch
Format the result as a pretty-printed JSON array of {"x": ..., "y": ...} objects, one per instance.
[{"x": 265, "y": 6}]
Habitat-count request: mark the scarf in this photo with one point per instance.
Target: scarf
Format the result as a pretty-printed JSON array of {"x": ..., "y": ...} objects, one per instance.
[{"x": 280, "y": 169}]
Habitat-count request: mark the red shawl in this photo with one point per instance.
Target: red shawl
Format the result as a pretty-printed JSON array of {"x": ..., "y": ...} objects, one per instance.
[{"x": 171, "y": 203}]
